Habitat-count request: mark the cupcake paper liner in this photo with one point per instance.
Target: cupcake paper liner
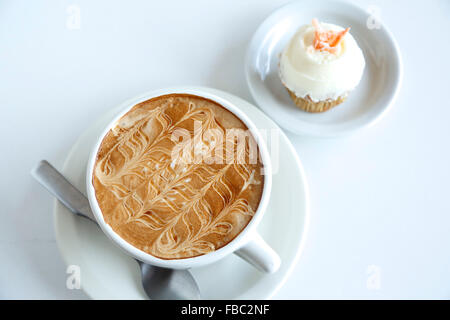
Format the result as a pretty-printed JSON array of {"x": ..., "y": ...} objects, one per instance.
[{"x": 308, "y": 105}]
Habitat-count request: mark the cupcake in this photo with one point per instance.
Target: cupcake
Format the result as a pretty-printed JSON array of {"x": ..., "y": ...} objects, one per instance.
[{"x": 320, "y": 65}]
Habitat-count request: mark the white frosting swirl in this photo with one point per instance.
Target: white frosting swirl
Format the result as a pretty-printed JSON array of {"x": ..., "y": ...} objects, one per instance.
[{"x": 321, "y": 75}]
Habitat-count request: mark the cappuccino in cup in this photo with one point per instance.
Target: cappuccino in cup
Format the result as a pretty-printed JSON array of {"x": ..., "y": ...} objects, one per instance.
[{"x": 178, "y": 176}]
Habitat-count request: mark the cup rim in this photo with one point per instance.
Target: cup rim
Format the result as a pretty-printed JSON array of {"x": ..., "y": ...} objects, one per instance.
[{"x": 240, "y": 240}]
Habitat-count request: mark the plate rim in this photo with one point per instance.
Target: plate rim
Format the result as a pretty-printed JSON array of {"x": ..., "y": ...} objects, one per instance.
[
  {"x": 397, "y": 57},
  {"x": 300, "y": 242}
]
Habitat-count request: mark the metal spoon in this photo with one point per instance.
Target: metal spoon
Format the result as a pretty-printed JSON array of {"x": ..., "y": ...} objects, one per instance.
[{"x": 158, "y": 283}]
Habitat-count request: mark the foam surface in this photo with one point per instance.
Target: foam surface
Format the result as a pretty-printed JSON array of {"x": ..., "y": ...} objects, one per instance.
[{"x": 172, "y": 181}]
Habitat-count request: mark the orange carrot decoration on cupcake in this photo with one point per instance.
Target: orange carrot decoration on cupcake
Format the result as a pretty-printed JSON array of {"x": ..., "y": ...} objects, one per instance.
[{"x": 326, "y": 40}]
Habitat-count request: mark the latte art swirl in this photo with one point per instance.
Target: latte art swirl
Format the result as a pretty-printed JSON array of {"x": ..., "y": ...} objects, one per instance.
[{"x": 178, "y": 199}]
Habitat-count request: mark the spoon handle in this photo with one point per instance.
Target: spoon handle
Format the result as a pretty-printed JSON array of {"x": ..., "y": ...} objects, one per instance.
[{"x": 62, "y": 189}]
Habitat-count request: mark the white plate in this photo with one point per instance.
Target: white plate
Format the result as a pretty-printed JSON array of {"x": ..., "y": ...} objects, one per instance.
[
  {"x": 107, "y": 273},
  {"x": 365, "y": 105}
]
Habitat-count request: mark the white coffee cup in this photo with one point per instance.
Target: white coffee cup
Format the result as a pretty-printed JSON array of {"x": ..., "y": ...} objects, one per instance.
[{"x": 248, "y": 244}]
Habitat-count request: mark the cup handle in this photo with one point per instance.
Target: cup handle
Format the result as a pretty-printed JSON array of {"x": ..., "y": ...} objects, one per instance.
[{"x": 258, "y": 253}]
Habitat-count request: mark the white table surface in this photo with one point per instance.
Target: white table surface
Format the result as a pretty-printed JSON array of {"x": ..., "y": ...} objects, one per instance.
[{"x": 380, "y": 208}]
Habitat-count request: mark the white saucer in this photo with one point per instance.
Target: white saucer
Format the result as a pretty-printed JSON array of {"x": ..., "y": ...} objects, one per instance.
[
  {"x": 107, "y": 273},
  {"x": 365, "y": 105}
]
